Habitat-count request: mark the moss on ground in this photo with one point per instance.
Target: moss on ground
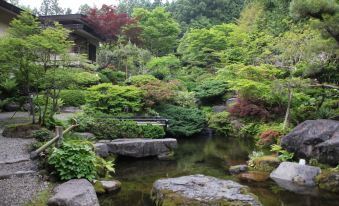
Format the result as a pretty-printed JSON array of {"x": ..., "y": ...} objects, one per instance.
[{"x": 42, "y": 198}]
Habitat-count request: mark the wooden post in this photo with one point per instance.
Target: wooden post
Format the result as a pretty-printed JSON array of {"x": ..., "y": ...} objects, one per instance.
[{"x": 59, "y": 132}]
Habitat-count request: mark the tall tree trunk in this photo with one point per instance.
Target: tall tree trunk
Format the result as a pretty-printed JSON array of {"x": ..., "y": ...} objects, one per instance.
[
  {"x": 287, "y": 115},
  {"x": 45, "y": 109}
]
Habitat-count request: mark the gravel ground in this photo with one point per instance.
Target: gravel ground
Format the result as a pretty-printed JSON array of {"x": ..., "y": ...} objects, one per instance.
[{"x": 17, "y": 189}]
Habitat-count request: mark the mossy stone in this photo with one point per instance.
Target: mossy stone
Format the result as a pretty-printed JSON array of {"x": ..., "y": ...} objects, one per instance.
[
  {"x": 328, "y": 180},
  {"x": 265, "y": 163}
]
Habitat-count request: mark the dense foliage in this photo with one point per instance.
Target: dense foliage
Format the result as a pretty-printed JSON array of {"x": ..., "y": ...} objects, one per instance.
[
  {"x": 107, "y": 128},
  {"x": 113, "y": 99},
  {"x": 183, "y": 121},
  {"x": 253, "y": 69},
  {"x": 74, "y": 160}
]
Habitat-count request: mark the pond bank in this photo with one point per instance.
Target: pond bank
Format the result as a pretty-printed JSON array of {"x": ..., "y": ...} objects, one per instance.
[{"x": 201, "y": 155}]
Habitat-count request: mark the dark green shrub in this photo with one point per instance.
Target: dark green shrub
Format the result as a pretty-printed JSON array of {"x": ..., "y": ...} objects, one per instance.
[
  {"x": 42, "y": 134},
  {"x": 74, "y": 160},
  {"x": 109, "y": 75},
  {"x": 210, "y": 89},
  {"x": 85, "y": 121},
  {"x": 74, "y": 98},
  {"x": 152, "y": 131},
  {"x": 249, "y": 131},
  {"x": 221, "y": 123},
  {"x": 113, "y": 129},
  {"x": 183, "y": 121}
]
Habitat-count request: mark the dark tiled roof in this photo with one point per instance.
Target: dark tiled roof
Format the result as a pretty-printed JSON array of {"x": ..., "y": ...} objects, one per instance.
[{"x": 10, "y": 7}]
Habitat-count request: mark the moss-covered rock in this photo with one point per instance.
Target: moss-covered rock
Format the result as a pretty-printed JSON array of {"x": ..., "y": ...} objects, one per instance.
[
  {"x": 20, "y": 130},
  {"x": 329, "y": 181},
  {"x": 264, "y": 163},
  {"x": 99, "y": 188},
  {"x": 200, "y": 190}
]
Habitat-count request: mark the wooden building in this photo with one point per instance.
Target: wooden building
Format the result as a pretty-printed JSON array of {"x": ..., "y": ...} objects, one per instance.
[
  {"x": 7, "y": 13},
  {"x": 86, "y": 40}
]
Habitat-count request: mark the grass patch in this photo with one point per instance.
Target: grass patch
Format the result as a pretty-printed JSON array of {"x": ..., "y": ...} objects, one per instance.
[{"x": 42, "y": 198}]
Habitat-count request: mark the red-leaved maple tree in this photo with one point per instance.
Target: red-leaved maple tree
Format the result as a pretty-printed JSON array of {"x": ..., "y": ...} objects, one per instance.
[{"x": 108, "y": 22}]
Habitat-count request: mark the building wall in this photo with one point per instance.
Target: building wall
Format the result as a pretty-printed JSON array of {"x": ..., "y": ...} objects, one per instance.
[{"x": 5, "y": 19}]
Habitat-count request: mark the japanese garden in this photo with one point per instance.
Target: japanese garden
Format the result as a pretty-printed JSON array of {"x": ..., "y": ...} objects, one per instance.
[{"x": 169, "y": 103}]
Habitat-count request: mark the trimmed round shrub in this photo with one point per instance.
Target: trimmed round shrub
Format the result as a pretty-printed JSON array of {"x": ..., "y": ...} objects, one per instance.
[
  {"x": 74, "y": 98},
  {"x": 210, "y": 90}
]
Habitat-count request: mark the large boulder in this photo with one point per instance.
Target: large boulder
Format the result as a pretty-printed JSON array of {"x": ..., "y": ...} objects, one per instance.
[
  {"x": 137, "y": 147},
  {"x": 200, "y": 190},
  {"x": 296, "y": 173},
  {"x": 317, "y": 139},
  {"x": 78, "y": 192}
]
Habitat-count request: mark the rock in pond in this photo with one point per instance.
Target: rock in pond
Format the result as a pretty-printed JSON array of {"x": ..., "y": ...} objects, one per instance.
[
  {"x": 78, "y": 192},
  {"x": 137, "y": 147},
  {"x": 106, "y": 186},
  {"x": 294, "y": 172},
  {"x": 236, "y": 169},
  {"x": 317, "y": 139},
  {"x": 200, "y": 190}
]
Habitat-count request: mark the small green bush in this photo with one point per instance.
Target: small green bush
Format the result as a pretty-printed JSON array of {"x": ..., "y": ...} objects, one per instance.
[
  {"x": 210, "y": 90},
  {"x": 112, "y": 129},
  {"x": 74, "y": 160},
  {"x": 85, "y": 79},
  {"x": 221, "y": 123},
  {"x": 140, "y": 80},
  {"x": 74, "y": 98},
  {"x": 249, "y": 131},
  {"x": 114, "y": 99},
  {"x": 152, "y": 131},
  {"x": 108, "y": 75},
  {"x": 183, "y": 121},
  {"x": 42, "y": 134},
  {"x": 104, "y": 168}
]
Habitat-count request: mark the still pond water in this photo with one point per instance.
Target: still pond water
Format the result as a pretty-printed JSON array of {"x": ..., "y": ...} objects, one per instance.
[{"x": 208, "y": 156}]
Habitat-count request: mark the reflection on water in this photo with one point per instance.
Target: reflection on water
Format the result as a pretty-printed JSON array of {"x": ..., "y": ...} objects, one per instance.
[{"x": 201, "y": 155}]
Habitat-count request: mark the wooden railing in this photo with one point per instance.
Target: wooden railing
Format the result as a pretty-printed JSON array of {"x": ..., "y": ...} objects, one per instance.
[{"x": 57, "y": 139}]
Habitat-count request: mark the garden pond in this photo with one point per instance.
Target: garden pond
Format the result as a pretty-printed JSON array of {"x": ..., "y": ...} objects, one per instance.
[{"x": 202, "y": 155}]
